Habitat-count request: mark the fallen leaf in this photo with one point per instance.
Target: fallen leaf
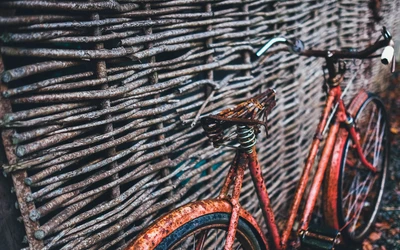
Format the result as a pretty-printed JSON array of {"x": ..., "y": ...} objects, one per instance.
[
  {"x": 394, "y": 231},
  {"x": 383, "y": 225},
  {"x": 374, "y": 236},
  {"x": 367, "y": 245},
  {"x": 394, "y": 130}
]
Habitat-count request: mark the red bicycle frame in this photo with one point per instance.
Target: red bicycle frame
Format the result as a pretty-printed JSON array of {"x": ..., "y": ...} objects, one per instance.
[
  {"x": 243, "y": 160},
  {"x": 248, "y": 159}
]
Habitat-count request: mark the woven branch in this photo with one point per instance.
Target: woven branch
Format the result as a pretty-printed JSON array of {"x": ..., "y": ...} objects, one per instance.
[{"x": 106, "y": 99}]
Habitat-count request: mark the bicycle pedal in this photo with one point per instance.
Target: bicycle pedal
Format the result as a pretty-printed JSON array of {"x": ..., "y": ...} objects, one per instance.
[{"x": 319, "y": 238}]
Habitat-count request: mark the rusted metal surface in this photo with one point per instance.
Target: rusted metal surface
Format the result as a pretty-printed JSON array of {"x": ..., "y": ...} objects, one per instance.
[
  {"x": 361, "y": 154},
  {"x": 307, "y": 169},
  {"x": 247, "y": 117},
  {"x": 229, "y": 179},
  {"x": 319, "y": 175},
  {"x": 265, "y": 203},
  {"x": 250, "y": 113},
  {"x": 333, "y": 172},
  {"x": 155, "y": 69},
  {"x": 234, "y": 217},
  {"x": 323, "y": 161},
  {"x": 248, "y": 158},
  {"x": 170, "y": 222}
]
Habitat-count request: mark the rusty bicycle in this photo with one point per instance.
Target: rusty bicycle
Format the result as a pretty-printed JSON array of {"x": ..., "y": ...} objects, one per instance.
[{"x": 350, "y": 173}]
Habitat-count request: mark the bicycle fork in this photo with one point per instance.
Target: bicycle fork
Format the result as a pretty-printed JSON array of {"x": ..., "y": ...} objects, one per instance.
[
  {"x": 356, "y": 140},
  {"x": 348, "y": 120}
]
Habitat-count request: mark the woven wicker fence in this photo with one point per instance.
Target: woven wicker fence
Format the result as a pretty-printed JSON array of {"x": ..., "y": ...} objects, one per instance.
[{"x": 101, "y": 102}]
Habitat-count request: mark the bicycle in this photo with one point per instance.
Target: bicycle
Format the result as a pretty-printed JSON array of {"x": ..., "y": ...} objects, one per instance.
[{"x": 356, "y": 147}]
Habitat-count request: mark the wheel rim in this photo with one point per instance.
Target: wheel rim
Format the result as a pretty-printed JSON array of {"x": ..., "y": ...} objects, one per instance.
[
  {"x": 214, "y": 238},
  {"x": 361, "y": 190}
]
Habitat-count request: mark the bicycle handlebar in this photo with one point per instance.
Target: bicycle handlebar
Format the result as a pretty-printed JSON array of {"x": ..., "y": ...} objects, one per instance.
[
  {"x": 339, "y": 54},
  {"x": 298, "y": 47},
  {"x": 295, "y": 47}
]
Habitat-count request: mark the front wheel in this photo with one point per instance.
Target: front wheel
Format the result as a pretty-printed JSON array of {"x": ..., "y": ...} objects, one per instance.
[
  {"x": 353, "y": 193},
  {"x": 209, "y": 232},
  {"x": 200, "y": 225}
]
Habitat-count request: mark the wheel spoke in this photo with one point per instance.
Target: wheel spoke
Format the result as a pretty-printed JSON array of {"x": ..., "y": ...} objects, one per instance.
[
  {"x": 375, "y": 135},
  {"x": 354, "y": 195},
  {"x": 360, "y": 190},
  {"x": 201, "y": 239},
  {"x": 349, "y": 198},
  {"x": 188, "y": 241},
  {"x": 216, "y": 242},
  {"x": 371, "y": 118},
  {"x": 357, "y": 190},
  {"x": 378, "y": 149},
  {"x": 361, "y": 205},
  {"x": 368, "y": 140}
]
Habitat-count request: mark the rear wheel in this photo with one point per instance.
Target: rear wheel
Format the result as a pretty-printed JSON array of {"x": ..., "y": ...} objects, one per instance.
[
  {"x": 358, "y": 191},
  {"x": 210, "y": 231}
]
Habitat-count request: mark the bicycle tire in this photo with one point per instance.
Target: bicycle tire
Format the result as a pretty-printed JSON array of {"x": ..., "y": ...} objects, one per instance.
[
  {"x": 355, "y": 214},
  {"x": 246, "y": 236}
]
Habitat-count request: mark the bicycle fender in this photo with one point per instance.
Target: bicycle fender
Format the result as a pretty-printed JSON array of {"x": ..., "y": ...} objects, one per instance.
[
  {"x": 169, "y": 222},
  {"x": 330, "y": 187}
]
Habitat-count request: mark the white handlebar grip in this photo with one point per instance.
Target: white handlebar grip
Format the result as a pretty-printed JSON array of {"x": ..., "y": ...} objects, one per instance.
[{"x": 387, "y": 55}]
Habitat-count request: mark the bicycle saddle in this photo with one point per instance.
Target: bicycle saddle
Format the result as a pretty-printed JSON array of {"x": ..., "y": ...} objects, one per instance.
[{"x": 251, "y": 113}]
